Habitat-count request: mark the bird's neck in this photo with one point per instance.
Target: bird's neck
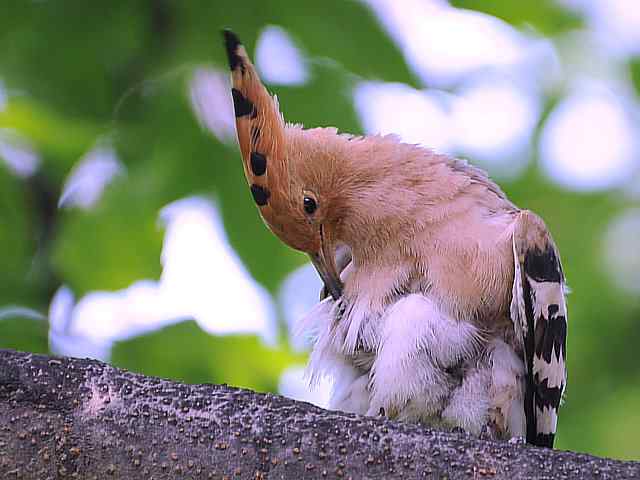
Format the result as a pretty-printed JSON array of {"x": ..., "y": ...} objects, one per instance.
[{"x": 389, "y": 214}]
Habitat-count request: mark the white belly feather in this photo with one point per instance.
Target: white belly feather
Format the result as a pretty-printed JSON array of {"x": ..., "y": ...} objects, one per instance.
[{"x": 414, "y": 362}]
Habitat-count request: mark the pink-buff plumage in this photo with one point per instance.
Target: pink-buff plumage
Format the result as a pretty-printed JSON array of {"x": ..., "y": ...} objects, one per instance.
[{"x": 444, "y": 302}]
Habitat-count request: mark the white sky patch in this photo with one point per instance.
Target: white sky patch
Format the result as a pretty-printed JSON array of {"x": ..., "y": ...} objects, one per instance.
[
  {"x": 19, "y": 157},
  {"x": 89, "y": 328},
  {"x": 63, "y": 340},
  {"x": 416, "y": 116},
  {"x": 117, "y": 315},
  {"x": 299, "y": 293},
  {"x": 210, "y": 92},
  {"x": 621, "y": 251},
  {"x": 541, "y": 67},
  {"x": 88, "y": 179},
  {"x": 293, "y": 384},
  {"x": 614, "y": 23},
  {"x": 278, "y": 59},
  {"x": 60, "y": 309},
  {"x": 203, "y": 278},
  {"x": 491, "y": 120},
  {"x": 589, "y": 141},
  {"x": 494, "y": 120},
  {"x": 444, "y": 45}
]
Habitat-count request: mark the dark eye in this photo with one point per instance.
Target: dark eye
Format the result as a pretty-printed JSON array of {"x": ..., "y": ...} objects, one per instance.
[{"x": 310, "y": 205}]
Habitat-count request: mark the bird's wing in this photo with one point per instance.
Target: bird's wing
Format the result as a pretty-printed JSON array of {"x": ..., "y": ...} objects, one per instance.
[{"x": 539, "y": 315}]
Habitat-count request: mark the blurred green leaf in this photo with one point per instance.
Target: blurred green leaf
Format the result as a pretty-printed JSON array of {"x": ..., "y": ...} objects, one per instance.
[
  {"x": 60, "y": 140},
  {"x": 16, "y": 238},
  {"x": 185, "y": 352},
  {"x": 76, "y": 55},
  {"x": 634, "y": 70},
  {"x": 24, "y": 334},
  {"x": 84, "y": 58},
  {"x": 321, "y": 28},
  {"x": 169, "y": 156},
  {"x": 48, "y": 129},
  {"x": 328, "y": 36},
  {"x": 608, "y": 425},
  {"x": 326, "y": 101},
  {"x": 546, "y": 16},
  {"x": 109, "y": 247}
]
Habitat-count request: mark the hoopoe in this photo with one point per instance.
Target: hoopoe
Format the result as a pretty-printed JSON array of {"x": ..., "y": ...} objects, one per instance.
[{"x": 444, "y": 303}]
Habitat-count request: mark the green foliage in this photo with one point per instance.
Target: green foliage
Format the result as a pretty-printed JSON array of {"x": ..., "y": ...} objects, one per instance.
[
  {"x": 78, "y": 73},
  {"x": 184, "y": 352},
  {"x": 16, "y": 234},
  {"x": 123, "y": 247},
  {"x": 546, "y": 16},
  {"x": 23, "y": 333},
  {"x": 634, "y": 70},
  {"x": 59, "y": 138}
]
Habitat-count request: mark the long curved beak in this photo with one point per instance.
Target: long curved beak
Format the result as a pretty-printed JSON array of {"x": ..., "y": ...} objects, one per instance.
[{"x": 325, "y": 263}]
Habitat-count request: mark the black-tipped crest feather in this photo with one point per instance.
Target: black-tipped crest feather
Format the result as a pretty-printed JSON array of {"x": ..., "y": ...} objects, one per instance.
[{"x": 232, "y": 43}]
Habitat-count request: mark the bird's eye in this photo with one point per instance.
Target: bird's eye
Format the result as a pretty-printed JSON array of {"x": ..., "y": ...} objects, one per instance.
[{"x": 310, "y": 204}]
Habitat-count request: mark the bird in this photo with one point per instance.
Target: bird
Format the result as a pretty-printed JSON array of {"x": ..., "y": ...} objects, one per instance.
[{"x": 443, "y": 302}]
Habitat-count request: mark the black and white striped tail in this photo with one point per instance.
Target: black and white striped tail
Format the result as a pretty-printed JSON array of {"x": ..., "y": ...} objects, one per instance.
[{"x": 540, "y": 319}]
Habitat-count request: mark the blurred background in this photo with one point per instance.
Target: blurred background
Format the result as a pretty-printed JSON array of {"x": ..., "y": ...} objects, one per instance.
[{"x": 128, "y": 234}]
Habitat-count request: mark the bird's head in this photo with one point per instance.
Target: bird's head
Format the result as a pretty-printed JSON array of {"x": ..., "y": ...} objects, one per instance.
[
  {"x": 291, "y": 172},
  {"x": 317, "y": 189}
]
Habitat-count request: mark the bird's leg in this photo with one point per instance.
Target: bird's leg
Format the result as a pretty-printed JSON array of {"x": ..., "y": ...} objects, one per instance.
[{"x": 418, "y": 343}]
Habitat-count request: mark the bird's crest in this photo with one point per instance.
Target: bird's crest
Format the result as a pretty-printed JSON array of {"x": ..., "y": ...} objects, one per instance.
[
  {"x": 260, "y": 128},
  {"x": 291, "y": 172}
]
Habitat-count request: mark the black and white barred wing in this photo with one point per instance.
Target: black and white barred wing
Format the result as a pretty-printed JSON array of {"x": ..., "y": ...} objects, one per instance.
[{"x": 539, "y": 313}]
